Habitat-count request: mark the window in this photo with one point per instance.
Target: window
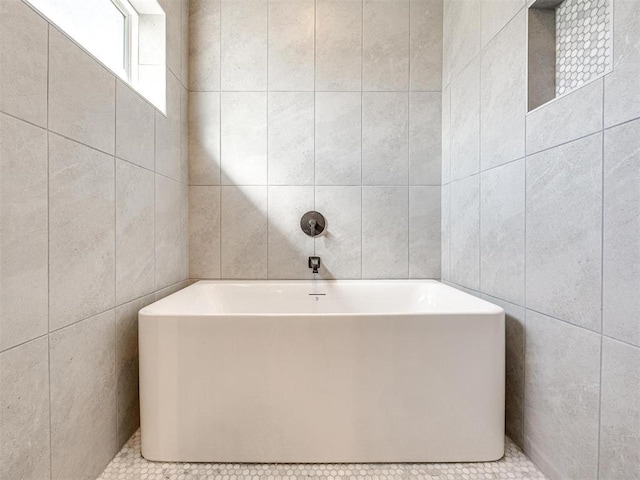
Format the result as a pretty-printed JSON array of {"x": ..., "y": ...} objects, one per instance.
[{"x": 113, "y": 31}]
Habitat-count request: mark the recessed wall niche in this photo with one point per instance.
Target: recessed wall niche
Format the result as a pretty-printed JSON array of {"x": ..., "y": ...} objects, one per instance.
[{"x": 569, "y": 44}]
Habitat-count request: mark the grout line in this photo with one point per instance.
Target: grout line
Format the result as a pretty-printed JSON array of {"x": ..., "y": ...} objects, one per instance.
[
  {"x": 480, "y": 55},
  {"x": 547, "y": 315},
  {"x": 48, "y": 334},
  {"x": 361, "y": 136},
  {"x": 602, "y": 205},
  {"x": 311, "y": 185},
  {"x": 524, "y": 294},
  {"x": 267, "y": 180},
  {"x": 315, "y": 59},
  {"x": 404, "y": 90},
  {"x": 409, "y": 144},
  {"x": 106, "y": 153},
  {"x": 115, "y": 257},
  {"x": 220, "y": 207}
]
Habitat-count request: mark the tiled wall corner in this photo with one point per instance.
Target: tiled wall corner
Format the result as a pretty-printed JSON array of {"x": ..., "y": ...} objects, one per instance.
[{"x": 558, "y": 233}]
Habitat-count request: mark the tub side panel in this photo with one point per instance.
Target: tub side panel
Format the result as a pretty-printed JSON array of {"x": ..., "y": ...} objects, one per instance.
[{"x": 322, "y": 389}]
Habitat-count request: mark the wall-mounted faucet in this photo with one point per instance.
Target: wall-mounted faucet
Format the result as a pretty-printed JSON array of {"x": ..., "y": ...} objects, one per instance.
[
  {"x": 314, "y": 262},
  {"x": 313, "y": 224}
]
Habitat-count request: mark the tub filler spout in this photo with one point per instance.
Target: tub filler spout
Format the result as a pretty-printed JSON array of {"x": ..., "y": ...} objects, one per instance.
[{"x": 314, "y": 262}]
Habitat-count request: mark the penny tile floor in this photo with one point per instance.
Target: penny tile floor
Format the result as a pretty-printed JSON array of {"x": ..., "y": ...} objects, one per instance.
[{"x": 129, "y": 465}]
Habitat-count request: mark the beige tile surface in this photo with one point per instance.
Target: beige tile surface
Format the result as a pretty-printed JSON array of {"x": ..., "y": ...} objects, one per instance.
[
  {"x": 135, "y": 232},
  {"x": 24, "y": 402},
  {"x": 81, "y": 95},
  {"x": 385, "y": 45},
  {"x": 81, "y": 232},
  {"x": 291, "y": 45},
  {"x": 83, "y": 398},
  {"x": 23, "y": 56},
  {"x": 24, "y": 233},
  {"x": 338, "y": 45}
]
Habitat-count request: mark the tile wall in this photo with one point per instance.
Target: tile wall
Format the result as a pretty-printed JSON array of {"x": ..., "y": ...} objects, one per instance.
[
  {"x": 332, "y": 105},
  {"x": 541, "y": 214},
  {"x": 93, "y": 208}
]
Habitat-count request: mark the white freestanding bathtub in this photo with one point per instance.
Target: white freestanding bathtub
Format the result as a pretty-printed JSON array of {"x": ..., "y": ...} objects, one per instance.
[{"x": 327, "y": 372}]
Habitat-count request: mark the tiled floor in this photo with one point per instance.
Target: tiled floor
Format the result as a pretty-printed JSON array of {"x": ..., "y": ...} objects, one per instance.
[{"x": 129, "y": 465}]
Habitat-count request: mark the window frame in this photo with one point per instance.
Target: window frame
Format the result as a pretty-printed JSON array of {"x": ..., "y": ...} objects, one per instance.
[{"x": 130, "y": 40}]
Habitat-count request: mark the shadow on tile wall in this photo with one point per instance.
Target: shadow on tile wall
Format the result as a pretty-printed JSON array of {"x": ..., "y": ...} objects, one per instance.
[{"x": 315, "y": 105}]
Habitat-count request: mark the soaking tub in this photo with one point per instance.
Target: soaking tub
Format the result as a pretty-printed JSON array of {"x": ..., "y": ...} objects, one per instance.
[{"x": 326, "y": 372}]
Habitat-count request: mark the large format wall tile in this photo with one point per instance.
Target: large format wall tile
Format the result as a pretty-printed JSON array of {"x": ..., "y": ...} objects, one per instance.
[
  {"x": 82, "y": 102},
  {"x": 168, "y": 136},
  {"x": 496, "y": 14},
  {"x": 562, "y": 387},
  {"x": 204, "y": 138},
  {"x": 502, "y": 232},
  {"x": 622, "y": 102},
  {"x": 135, "y": 128},
  {"x": 465, "y": 122},
  {"x": 291, "y": 45},
  {"x": 244, "y": 138},
  {"x": 184, "y": 42},
  {"x": 204, "y": 57},
  {"x": 83, "y": 398},
  {"x": 385, "y": 62},
  {"x": 338, "y": 45},
  {"x": 267, "y": 138},
  {"x": 184, "y": 136},
  {"x": 425, "y": 138},
  {"x": 173, "y": 12},
  {"x": 385, "y": 232},
  {"x": 424, "y": 232},
  {"x": 204, "y": 232},
  {"x": 172, "y": 233},
  {"x": 568, "y": 118},
  {"x": 465, "y": 232},
  {"x": 82, "y": 232},
  {"x": 563, "y": 225},
  {"x": 445, "y": 234},
  {"x": 24, "y": 403},
  {"x": 289, "y": 248},
  {"x": 620, "y": 411},
  {"x": 291, "y": 140},
  {"x": 23, "y": 56},
  {"x": 621, "y": 275},
  {"x": 243, "y": 45},
  {"x": 340, "y": 248},
  {"x": 385, "y": 142},
  {"x": 426, "y": 45},
  {"x": 446, "y": 136},
  {"x": 24, "y": 236},
  {"x": 503, "y": 96},
  {"x": 338, "y": 138},
  {"x": 73, "y": 186},
  {"x": 244, "y": 232},
  {"x": 135, "y": 234},
  {"x": 461, "y": 43},
  {"x": 126, "y": 348},
  {"x": 514, "y": 317}
]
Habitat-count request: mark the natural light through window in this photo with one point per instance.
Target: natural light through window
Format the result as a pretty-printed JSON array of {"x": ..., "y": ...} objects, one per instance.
[{"x": 111, "y": 30}]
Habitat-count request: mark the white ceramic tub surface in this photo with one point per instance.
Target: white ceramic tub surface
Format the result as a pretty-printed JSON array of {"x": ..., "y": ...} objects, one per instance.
[{"x": 340, "y": 371}]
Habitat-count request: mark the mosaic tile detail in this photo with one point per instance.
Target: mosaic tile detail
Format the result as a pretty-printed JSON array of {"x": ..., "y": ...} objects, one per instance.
[
  {"x": 583, "y": 42},
  {"x": 129, "y": 465}
]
